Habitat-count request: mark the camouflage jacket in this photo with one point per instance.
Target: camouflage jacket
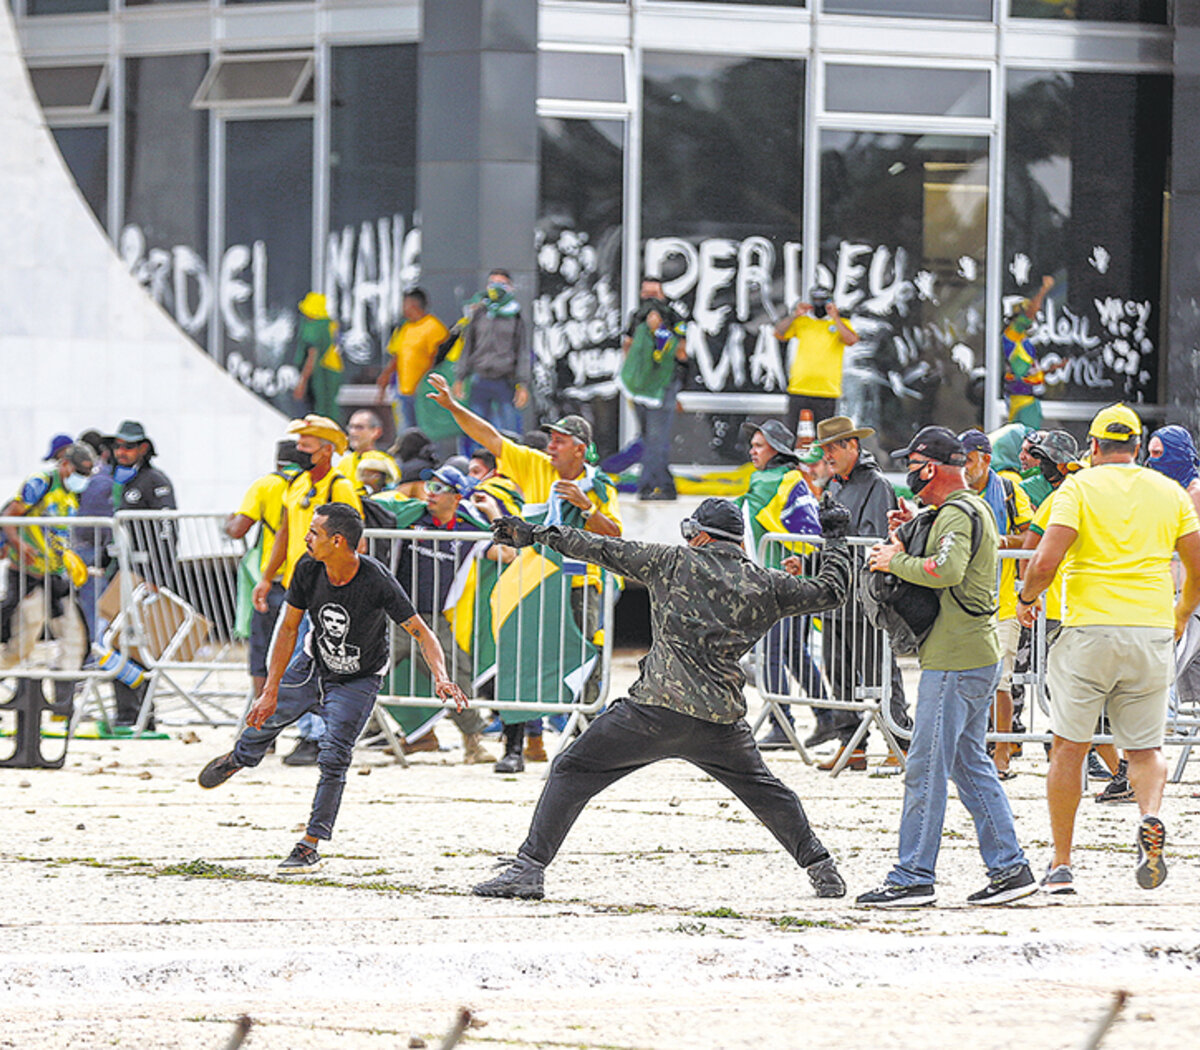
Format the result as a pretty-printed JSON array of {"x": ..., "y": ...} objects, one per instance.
[{"x": 708, "y": 607}]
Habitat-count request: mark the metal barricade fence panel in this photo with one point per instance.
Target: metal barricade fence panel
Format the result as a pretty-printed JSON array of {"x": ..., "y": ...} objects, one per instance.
[
  {"x": 48, "y": 598},
  {"x": 519, "y": 636}
]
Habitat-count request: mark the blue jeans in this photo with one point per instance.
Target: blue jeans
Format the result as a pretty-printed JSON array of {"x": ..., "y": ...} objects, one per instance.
[
  {"x": 345, "y": 706},
  {"x": 406, "y": 409},
  {"x": 948, "y": 743},
  {"x": 656, "y": 425},
  {"x": 493, "y": 399}
]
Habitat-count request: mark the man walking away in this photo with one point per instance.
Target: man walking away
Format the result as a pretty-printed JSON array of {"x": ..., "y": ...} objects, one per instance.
[
  {"x": 709, "y": 604},
  {"x": 1120, "y": 524},
  {"x": 960, "y": 666},
  {"x": 349, "y": 598}
]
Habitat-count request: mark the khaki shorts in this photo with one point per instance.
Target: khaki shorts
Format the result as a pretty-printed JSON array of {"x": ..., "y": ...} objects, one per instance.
[
  {"x": 1009, "y": 633},
  {"x": 1128, "y": 668}
]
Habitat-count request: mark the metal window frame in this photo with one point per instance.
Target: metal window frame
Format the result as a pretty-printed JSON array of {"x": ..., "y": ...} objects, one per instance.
[
  {"x": 61, "y": 115},
  {"x": 229, "y": 58}
]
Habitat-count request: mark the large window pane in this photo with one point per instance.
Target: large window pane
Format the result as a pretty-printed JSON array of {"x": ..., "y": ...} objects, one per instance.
[
  {"x": 1084, "y": 191},
  {"x": 1092, "y": 10},
  {"x": 165, "y": 238},
  {"x": 903, "y": 246},
  {"x": 964, "y": 10},
  {"x": 577, "y": 313},
  {"x": 372, "y": 252},
  {"x": 267, "y": 264},
  {"x": 722, "y": 204},
  {"x": 86, "y": 152}
]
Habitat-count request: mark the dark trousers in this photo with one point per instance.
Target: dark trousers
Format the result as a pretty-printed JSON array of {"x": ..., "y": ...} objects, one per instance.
[
  {"x": 629, "y": 736},
  {"x": 345, "y": 707},
  {"x": 787, "y": 646},
  {"x": 656, "y": 425},
  {"x": 853, "y": 655}
]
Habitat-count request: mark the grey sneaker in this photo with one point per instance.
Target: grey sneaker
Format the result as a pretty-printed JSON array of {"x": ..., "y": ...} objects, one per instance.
[
  {"x": 1151, "y": 838},
  {"x": 823, "y": 874},
  {"x": 1006, "y": 888},
  {"x": 523, "y": 879},
  {"x": 1058, "y": 880},
  {"x": 300, "y": 861},
  {"x": 218, "y": 771}
]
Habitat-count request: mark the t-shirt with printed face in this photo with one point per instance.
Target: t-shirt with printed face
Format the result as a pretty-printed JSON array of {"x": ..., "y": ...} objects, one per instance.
[{"x": 348, "y": 637}]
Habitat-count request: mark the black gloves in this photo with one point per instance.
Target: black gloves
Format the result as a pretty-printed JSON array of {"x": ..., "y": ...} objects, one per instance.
[
  {"x": 834, "y": 518},
  {"x": 516, "y": 532}
]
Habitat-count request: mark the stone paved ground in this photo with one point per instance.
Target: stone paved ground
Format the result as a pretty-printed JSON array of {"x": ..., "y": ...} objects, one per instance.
[{"x": 672, "y": 918}]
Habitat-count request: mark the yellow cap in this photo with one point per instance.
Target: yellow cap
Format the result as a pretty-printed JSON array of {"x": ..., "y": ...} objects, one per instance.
[
  {"x": 320, "y": 427},
  {"x": 1118, "y": 422}
]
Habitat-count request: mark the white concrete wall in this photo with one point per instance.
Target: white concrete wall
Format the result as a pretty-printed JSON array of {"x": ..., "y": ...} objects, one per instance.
[{"x": 81, "y": 345}]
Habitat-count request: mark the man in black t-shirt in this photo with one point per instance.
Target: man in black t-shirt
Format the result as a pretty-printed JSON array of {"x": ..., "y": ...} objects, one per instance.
[{"x": 349, "y": 598}]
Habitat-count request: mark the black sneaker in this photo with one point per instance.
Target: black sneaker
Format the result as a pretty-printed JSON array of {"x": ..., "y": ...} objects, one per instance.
[
  {"x": 1151, "y": 838},
  {"x": 1003, "y": 889},
  {"x": 218, "y": 771},
  {"x": 1096, "y": 769},
  {"x": 522, "y": 879},
  {"x": 775, "y": 740},
  {"x": 825, "y": 878},
  {"x": 303, "y": 859},
  {"x": 1117, "y": 790},
  {"x": 303, "y": 754},
  {"x": 889, "y": 895}
]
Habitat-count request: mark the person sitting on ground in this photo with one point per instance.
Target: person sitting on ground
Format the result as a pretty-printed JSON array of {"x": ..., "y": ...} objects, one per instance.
[{"x": 709, "y": 605}]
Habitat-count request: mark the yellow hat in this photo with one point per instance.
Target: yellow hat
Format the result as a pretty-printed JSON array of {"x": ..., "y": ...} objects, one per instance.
[
  {"x": 380, "y": 462},
  {"x": 320, "y": 427},
  {"x": 314, "y": 306},
  {"x": 1118, "y": 422}
]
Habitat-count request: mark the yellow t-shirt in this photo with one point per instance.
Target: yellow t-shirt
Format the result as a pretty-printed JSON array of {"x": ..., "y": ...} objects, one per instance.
[
  {"x": 817, "y": 367},
  {"x": 301, "y": 500},
  {"x": 263, "y": 502},
  {"x": 1022, "y": 515},
  {"x": 1128, "y": 519},
  {"x": 1053, "y": 595},
  {"x": 532, "y": 470},
  {"x": 414, "y": 346}
]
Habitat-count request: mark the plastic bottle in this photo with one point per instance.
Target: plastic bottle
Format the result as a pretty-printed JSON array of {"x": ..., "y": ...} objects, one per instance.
[
  {"x": 806, "y": 432},
  {"x": 127, "y": 671}
]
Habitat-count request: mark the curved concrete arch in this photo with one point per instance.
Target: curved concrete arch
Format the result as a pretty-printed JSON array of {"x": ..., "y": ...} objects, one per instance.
[{"x": 82, "y": 345}]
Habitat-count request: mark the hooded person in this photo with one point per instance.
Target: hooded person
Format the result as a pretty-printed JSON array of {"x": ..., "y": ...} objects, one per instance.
[{"x": 1172, "y": 452}]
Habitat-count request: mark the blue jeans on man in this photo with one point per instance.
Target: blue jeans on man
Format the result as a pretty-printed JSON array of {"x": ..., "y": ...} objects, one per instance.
[
  {"x": 493, "y": 399},
  {"x": 949, "y": 743},
  {"x": 345, "y": 708}
]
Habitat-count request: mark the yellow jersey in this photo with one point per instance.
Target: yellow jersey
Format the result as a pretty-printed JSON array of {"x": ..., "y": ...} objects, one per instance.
[
  {"x": 817, "y": 367},
  {"x": 414, "y": 345},
  {"x": 1128, "y": 520},
  {"x": 263, "y": 502},
  {"x": 1052, "y": 598},
  {"x": 301, "y": 500}
]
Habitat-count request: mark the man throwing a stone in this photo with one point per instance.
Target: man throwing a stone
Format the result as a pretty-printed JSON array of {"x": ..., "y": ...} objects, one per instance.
[{"x": 709, "y": 605}]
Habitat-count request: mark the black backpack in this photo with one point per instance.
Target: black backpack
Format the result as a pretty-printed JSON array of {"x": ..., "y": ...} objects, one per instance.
[{"x": 907, "y": 610}]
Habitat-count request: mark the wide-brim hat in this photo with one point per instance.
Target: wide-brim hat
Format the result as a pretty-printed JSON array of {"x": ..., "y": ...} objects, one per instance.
[
  {"x": 775, "y": 433},
  {"x": 132, "y": 433},
  {"x": 840, "y": 428},
  {"x": 314, "y": 307},
  {"x": 380, "y": 462},
  {"x": 320, "y": 427}
]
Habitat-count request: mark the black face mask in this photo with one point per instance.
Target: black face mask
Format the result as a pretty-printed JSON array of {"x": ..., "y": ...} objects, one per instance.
[
  {"x": 303, "y": 460},
  {"x": 1050, "y": 472},
  {"x": 914, "y": 480}
]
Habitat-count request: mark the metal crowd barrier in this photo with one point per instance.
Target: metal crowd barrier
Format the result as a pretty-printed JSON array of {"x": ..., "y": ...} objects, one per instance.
[
  {"x": 523, "y": 636},
  {"x": 48, "y": 617},
  {"x": 839, "y": 661}
]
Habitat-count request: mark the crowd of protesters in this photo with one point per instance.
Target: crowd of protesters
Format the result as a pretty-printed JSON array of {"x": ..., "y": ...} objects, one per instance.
[{"x": 1114, "y": 568}]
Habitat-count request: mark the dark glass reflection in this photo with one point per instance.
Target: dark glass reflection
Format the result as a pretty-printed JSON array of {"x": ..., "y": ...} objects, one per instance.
[
  {"x": 960, "y": 10},
  {"x": 722, "y": 207},
  {"x": 86, "y": 152},
  {"x": 372, "y": 252},
  {"x": 1152, "y": 11},
  {"x": 1086, "y": 157},
  {"x": 64, "y": 7},
  {"x": 267, "y": 264},
  {"x": 903, "y": 246},
  {"x": 577, "y": 312}
]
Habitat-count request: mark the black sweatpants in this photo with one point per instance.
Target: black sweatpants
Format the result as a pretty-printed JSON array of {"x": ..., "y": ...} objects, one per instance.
[{"x": 629, "y": 736}]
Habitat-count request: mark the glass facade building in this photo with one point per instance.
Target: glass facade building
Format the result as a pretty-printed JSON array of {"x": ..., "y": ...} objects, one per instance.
[{"x": 928, "y": 160}]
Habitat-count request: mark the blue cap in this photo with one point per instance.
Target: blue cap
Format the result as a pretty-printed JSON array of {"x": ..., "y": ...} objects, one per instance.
[
  {"x": 451, "y": 476},
  {"x": 57, "y": 444}
]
